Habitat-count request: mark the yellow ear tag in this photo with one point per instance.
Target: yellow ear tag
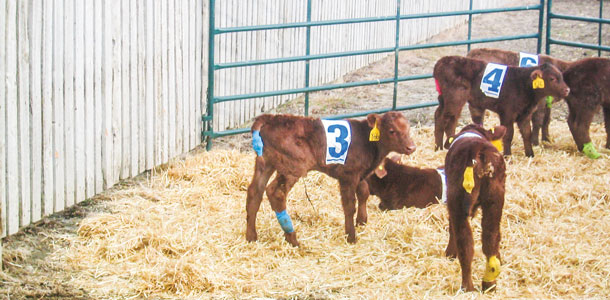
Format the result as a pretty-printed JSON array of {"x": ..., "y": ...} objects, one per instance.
[
  {"x": 374, "y": 135},
  {"x": 538, "y": 83},
  {"x": 498, "y": 144},
  {"x": 450, "y": 140},
  {"x": 492, "y": 269},
  {"x": 468, "y": 183}
]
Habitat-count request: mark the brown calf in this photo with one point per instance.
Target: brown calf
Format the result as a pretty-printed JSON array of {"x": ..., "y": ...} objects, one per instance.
[
  {"x": 399, "y": 186},
  {"x": 589, "y": 80},
  {"x": 458, "y": 79},
  {"x": 541, "y": 118},
  {"x": 294, "y": 145},
  {"x": 475, "y": 178}
]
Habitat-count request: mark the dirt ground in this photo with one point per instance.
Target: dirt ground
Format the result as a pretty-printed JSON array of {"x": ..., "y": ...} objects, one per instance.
[{"x": 32, "y": 268}]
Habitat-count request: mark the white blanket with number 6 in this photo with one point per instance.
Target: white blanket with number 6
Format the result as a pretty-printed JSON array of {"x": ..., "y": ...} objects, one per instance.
[{"x": 338, "y": 139}]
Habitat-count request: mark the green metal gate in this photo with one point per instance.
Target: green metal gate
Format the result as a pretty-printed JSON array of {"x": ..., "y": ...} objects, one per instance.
[
  {"x": 209, "y": 133},
  {"x": 551, "y": 15}
]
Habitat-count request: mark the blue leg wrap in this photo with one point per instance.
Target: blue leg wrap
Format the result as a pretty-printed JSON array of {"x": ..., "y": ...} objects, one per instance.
[
  {"x": 284, "y": 219},
  {"x": 257, "y": 142}
]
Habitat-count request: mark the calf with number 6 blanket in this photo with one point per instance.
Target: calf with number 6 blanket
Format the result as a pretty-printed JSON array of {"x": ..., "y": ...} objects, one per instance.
[
  {"x": 347, "y": 150},
  {"x": 512, "y": 92}
]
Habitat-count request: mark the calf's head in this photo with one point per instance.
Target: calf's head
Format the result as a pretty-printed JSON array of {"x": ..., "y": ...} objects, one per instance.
[
  {"x": 394, "y": 132},
  {"x": 549, "y": 79}
]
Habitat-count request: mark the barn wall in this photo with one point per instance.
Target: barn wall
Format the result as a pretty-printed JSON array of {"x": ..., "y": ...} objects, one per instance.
[{"x": 95, "y": 91}]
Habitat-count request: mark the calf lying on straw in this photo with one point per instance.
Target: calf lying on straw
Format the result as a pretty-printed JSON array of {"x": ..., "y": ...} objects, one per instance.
[
  {"x": 475, "y": 178},
  {"x": 399, "y": 186},
  {"x": 347, "y": 150}
]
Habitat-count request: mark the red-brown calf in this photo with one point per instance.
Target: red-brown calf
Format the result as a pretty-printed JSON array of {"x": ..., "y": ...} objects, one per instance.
[
  {"x": 459, "y": 78},
  {"x": 294, "y": 145},
  {"x": 475, "y": 178},
  {"x": 399, "y": 186},
  {"x": 589, "y": 80},
  {"x": 541, "y": 118}
]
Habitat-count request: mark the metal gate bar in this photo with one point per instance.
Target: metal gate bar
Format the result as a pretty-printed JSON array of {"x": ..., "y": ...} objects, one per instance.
[
  {"x": 600, "y": 21},
  {"x": 214, "y": 66}
]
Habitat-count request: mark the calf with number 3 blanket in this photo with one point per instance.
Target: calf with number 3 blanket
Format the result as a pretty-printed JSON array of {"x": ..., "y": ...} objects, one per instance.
[
  {"x": 347, "y": 150},
  {"x": 511, "y": 92}
]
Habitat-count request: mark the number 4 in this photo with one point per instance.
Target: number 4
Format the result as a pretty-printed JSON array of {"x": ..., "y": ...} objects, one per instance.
[{"x": 493, "y": 79}]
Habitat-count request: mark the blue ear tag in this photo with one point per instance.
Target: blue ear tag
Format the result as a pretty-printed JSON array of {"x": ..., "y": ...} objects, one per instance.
[
  {"x": 284, "y": 219},
  {"x": 257, "y": 142}
]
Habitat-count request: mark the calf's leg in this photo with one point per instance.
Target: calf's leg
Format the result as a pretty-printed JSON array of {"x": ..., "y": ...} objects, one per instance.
[
  {"x": 490, "y": 225},
  {"x": 439, "y": 127},
  {"x": 537, "y": 123},
  {"x": 508, "y": 136},
  {"x": 262, "y": 172},
  {"x": 607, "y": 125},
  {"x": 526, "y": 134},
  {"x": 451, "y": 251},
  {"x": 465, "y": 251},
  {"x": 579, "y": 121},
  {"x": 362, "y": 193},
  {"x": 276, "y": 192},
  {"x": 476, "y": 114},
  {"x": 348, "y": 201},
  {"x": 545, "y": 124}
]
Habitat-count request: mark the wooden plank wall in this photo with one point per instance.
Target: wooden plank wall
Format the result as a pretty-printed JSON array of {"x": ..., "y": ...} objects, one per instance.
[
  {"x": 95, "y": 91},
  {"x": 91, "y": 91}
]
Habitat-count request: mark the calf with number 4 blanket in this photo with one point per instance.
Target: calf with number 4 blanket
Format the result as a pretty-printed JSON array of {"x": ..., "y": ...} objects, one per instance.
[
  {"x": 347, "y": 150},
  {"x": 511, "y": 92}
]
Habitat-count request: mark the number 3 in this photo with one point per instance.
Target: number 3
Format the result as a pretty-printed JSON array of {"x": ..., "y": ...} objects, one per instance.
[{"x": 340, "y": 140}]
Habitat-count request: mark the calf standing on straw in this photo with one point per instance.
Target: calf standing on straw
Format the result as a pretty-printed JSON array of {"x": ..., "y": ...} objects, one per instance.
[
  {"x": 475, "y": 178},
  {"x": 347, "y": 150}
]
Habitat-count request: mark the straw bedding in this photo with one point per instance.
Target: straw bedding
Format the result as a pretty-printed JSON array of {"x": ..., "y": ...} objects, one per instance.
[{"x": 181, "y": 234}]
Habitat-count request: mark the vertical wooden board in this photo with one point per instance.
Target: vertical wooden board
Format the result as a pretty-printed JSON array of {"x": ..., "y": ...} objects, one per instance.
[
  {"x": 179, "y": 112},
  {"x": 199, "y": 59},
  {"x": 158, "y": 85},
  {"x": 164, "y": 77},
  {"x": 107, "y": 90},
  {"x": 114, "y": 28},
  {"x": 98, "y": 94},
  {"x": 133, "y": 88},
  {"x": 12, "y": 133},
  {"x": 193, "y": 72},
  {"x": 58, "y": 107},
  {"x": 69, "y": 100},
  {"x": 185, "y": 75},
  {"x": 149, "y": 82},
  {"x": 3, "y": 103},
  {"x": 89, "y": 33},
  {"x": 171, "y": 79},
  {"x": 47, "y": 110},
  {"x": 141, "y": 9},
  {"x": 125, "y": 94},
  {"x": 35, "y": 22},
  {"x": 79, "y": 101},
  {"x": 23, "y": 105}
]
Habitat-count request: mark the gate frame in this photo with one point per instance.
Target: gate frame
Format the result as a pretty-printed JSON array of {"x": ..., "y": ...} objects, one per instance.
[
  {"x": 549, "y": 40},
  {"x": 208, "y": 133}
]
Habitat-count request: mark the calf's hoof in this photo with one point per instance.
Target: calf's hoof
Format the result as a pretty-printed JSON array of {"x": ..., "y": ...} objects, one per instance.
[
  {"x": 351, "y": 238},
  {"x": 361, "y": 221},
  {"x": 488, "y": 286},
  {"x": 251, "y": 236},
  {"x": 450, "y": 253},
  {"x": 291, "y": 238}
]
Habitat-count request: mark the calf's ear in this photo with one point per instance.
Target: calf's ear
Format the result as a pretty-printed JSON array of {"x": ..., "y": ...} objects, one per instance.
[
  {"x": 380, "y": 171},
  {"x": 535, "y": 74},
  {"x": 497, "y": 132},
  {"x": 372, "y": 119}
]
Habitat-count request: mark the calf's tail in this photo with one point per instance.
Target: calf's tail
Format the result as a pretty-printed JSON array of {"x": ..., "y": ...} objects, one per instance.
[{"x": 257, "y": 140}]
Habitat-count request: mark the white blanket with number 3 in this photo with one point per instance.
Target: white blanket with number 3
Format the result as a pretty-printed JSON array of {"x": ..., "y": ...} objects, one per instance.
[{"x": 338, "y": 139}]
